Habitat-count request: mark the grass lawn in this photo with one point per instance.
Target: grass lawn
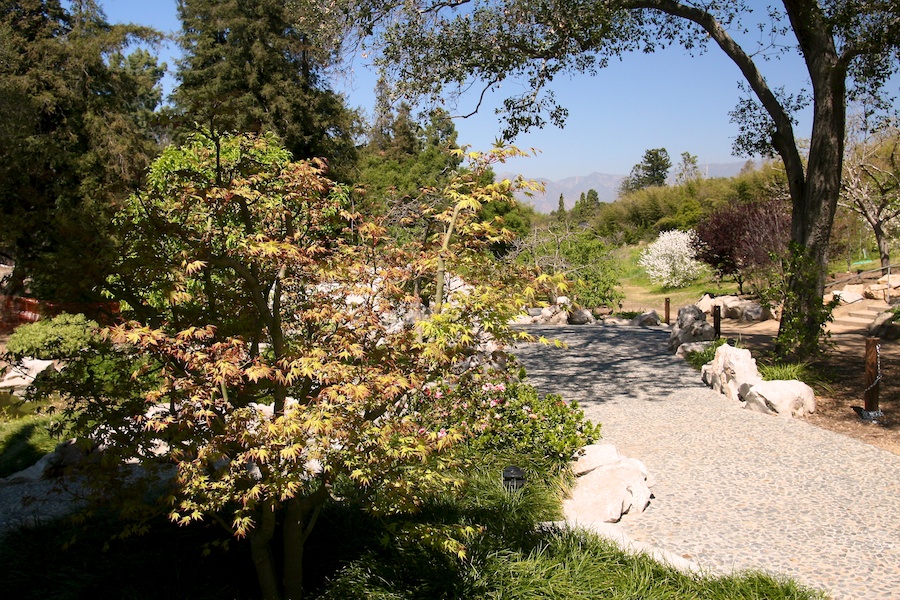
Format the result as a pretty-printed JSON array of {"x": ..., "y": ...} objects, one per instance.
[
  {"x": 641, "y": 295},
  {"x": 24, "y": 436}
]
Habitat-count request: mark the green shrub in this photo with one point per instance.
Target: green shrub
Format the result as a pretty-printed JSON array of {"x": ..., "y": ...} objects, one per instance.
[
  {"x": 504, "y": 419},
  {"x": 61, "y": 337}
]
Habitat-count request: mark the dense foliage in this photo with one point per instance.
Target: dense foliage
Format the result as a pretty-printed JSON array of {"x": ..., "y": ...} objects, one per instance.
[
  {"x": 277, "y": 359},
  {"x": 258, "y": 67},
  {"x": 747, "y": 241},
  {"x": 75, "y": 111}
]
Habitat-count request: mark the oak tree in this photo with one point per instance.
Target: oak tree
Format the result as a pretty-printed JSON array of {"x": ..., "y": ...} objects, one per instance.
[{"x": 846, "y": 47}]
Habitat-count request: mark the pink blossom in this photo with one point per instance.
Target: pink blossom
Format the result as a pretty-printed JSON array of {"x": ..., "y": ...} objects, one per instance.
[{"x": 442, "y": 433}]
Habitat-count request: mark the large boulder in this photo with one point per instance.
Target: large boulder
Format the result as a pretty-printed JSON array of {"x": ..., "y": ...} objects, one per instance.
[
  {"x": 690, "y": 326},
  {"x": 782, "y": 398},
  {"x": 647, "y": 319},
  {"x": 706, "y": 304},
  {"x": 581, "y": 316},
  {"x": 848, "y": 297},
  {"x": 608, "y": 486},
  {"x": 885, "y": 326},
  {"x": 732, "y": 372}
]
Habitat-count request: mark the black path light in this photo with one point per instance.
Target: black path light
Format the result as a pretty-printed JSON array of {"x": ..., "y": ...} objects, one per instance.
[{"x": 513, "y": 478}]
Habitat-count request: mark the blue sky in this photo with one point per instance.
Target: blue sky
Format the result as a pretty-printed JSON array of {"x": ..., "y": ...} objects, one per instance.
[{"x": 663, "y": 100}]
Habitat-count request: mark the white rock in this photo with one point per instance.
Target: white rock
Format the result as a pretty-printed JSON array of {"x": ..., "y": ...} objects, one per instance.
[
  {"x": 783, "y": 398},
  {"x": 685, "y": 349},
  {"x": 848, "y": 297},
  {"x": 732, "y": 372},
  {"x": 21, "y": 375},
  {"x": 608, "y": 492},
  {"x": 595, "y": 455},
  {"x": 891, "y": 281},
  {"x": 616, "y": 321},
  {"x": 705, "y": 304}
]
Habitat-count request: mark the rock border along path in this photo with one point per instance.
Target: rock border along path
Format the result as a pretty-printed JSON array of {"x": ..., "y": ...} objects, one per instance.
[{"x": 734, "y": 490}]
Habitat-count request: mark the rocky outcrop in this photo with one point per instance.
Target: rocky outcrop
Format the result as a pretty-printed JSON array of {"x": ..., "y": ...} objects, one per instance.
[
  {"x": 885, "y": 326},
  {"x": 647, "y": 319},
  {"x": 685, "y": 349},
  {"x": 608, "y": 486},
  {"x": 734, "y": 307},
  {"x": 690, "y": 326},
  {"x": 581, "y": 316},
  {"x": 782, "y": 398},
  {"x": 733, "y": 373},
  {"x": 22, "y": 374}
]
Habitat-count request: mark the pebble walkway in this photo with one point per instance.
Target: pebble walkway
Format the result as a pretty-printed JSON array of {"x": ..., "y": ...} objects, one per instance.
[{"x": 734, "y": 490}]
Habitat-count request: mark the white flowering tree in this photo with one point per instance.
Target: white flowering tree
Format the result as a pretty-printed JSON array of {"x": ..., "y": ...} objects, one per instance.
[{"x": 671, "y": 260}]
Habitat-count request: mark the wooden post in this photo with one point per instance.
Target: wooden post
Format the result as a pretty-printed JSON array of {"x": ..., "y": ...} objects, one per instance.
[
  {"x": 717, "y": 320},
  {"x": 872, "y": 382},
  {"x": 668, "y": 307}
]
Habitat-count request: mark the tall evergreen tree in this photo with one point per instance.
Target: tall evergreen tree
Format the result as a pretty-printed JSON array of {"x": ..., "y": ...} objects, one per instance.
[
  {"x": 74, "y": 116},
  {"x": 402, "y": 157},
  {"x": 251, "y": 66},
  {"x": 651, "y": 171}
]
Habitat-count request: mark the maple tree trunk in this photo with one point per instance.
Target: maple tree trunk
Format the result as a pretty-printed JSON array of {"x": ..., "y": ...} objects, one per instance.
[
  {"x": 261, "y": 552},
  {"x": 300, "y": 518}
]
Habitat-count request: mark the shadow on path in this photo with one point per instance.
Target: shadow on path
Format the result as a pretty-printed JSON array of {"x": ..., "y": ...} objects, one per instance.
[{"x": 605, "y": 364}]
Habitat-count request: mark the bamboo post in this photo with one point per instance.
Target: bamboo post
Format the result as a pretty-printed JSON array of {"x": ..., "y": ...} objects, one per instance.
[
  {"x": 668, "y": 308},
  {"x": 717, "y": 320}
]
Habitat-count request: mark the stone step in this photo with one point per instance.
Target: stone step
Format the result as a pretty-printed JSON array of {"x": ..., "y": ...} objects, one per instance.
[
  {"x": 864, "y": 314},
  {"x": 854, "y": 321}
]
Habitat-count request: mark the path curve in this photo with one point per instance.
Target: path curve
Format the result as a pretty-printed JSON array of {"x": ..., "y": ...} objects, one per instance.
[{"x": 734, "y": 489}]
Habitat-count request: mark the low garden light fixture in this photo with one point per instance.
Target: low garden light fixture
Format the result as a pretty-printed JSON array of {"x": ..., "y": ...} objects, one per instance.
[{"x": 513, "y": 478}]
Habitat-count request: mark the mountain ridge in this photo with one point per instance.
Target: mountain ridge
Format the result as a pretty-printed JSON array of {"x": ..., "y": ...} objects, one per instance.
[{"x": 606, "y": 185}]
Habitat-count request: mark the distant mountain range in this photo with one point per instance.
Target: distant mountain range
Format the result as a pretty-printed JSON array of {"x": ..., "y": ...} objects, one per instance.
[{"x": 607, "y": 186}]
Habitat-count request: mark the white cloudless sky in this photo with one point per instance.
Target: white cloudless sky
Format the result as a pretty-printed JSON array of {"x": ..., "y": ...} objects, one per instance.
[{"x": 663, "y": 100}]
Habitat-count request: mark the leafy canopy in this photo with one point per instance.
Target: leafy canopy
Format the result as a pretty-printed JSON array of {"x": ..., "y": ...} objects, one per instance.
[{"x": 283, "y": 349}]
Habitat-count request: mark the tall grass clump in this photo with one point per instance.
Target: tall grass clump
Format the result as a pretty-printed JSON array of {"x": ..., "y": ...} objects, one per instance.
[
  {"x": 698, "y": 358},
  {"x": 800, "y": 371}
]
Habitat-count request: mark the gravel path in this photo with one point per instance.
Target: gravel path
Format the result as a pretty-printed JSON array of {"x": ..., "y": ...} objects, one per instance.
[{"x": 734, "y": 489}]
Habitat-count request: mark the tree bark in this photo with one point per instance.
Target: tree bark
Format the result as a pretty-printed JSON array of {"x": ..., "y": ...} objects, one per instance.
[
  {"x": 804, "y": 317},
  {"x": 261, "y": 552},
  {"x": 300, "y": 518},
  {"x": 884, "y": 247}
]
